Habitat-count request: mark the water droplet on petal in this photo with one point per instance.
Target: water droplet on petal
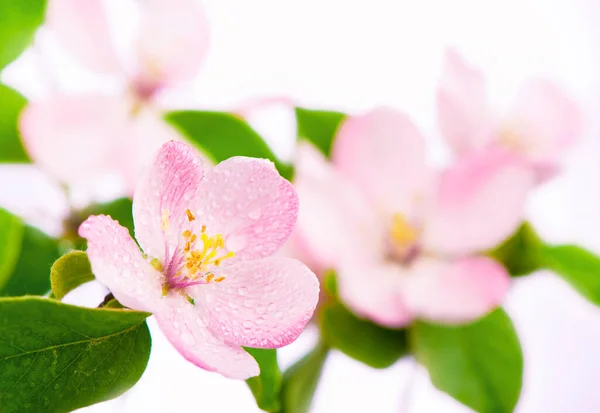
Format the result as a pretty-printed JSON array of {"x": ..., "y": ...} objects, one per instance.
[
  {"x": 255, "y": 213},
  {"x": 242, "y": 291}
]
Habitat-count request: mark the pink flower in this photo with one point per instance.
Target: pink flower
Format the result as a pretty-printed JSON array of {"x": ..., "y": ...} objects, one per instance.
[
  {"x": 542, "y": 123},
  {"x": 207, "y": 273},
  {"x": 406, "y": 241},
  {"x": 85, "y": 137}
]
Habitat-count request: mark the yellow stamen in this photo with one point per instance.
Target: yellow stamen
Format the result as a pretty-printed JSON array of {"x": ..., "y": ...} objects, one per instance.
[
  {"x": 402, "y": 233},
  {"x": 165, "y": 220},
  {"x": 156, "y": 264},
  {"x": 203, "y": 230},
  {"x": 209, "y": 277},
  {"x": 219, "y": 279},
  {"x": 187, "y": 233},
  {"x": 190, "y": 216}
]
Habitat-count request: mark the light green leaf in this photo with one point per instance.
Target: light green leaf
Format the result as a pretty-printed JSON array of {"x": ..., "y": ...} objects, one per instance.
[
  {"x": 521, "y": 254},
  {"x": 57, "y": 358},
  {"x": 267, "y": 385},
  {"x": 11, "y": 237},
  {"x": 69, "y": 272},
  {"x": 222, "y": 135},
  {"x": 578, "y": 267},
  {"x": 318, "y": 127},
  {"x": 362, "y": 340},
  {"x": 479, "y": 364},
  {"x": 301, "y": 379},
  {"x": 31, "y": 274},
  {"x": 12, "y": 103},
  {"x": 20, "y": 19}
]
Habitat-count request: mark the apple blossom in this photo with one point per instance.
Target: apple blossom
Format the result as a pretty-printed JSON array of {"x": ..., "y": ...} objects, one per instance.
[
  {"x": 207, "y": 272},
  {"x": 405, "y": 239}
]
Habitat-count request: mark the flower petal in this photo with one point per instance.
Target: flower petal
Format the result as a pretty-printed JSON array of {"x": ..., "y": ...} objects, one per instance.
[
  {"x": 375, "y": 292},
  {"x": 385, "y": 155},
  {"x": 455, "y": 292},
  {"x": 463, "y": 112},
  {"x": 173, "y": 40},
  {"x": 117, "y": 262},
  {"x": 76, "y": 138},
  {"x": 480, "y": 201},
  {"x": 165, "y": 190},
  {"x": 546, "y": 120},
  {"x": 82, "y": 27},
  {"x": 183, "y": 325},
  {"x": 334, "y": 217},
  {"x": 250, "y": 204},
  {"x": 261, "y": 303}
]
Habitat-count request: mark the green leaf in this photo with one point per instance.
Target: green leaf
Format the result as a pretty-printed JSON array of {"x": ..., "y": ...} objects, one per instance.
[
  {"x": 267, "y": 385},
  {"x": 521, "y": 254},
  {"x": 578, "y": 267},
  {"x": 10, "y": 109},
  {"x": 318, "y": 127},
  {"x": 301, "y": 379},
  {"x": 20, "y": 19},
  {"x": 11, "y": 237},
  {"x": 69, "y": 272},
  {"x": 222, "y": 135},
  {"x": 31, "y": 274},
  {"x": 120, "y": 209},
  {"x": 479, "y": 364},
  {"x": 57, "y": 358},
  {"x": 362, "y": 340}
]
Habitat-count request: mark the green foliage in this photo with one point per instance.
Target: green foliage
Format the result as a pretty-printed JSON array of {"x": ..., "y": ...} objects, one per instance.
[
  {"x": 20, "y": 19},
  {"x": 120, "y": 209},
  {"x": 222, "y": 135},
  {"x": 362, "y": 340},
  {"x": 300, "y": 381},
  {"x": 57, "y": 358},
  {"x": 69, "y": 272},
  {"x": 578, "y": 267},
  {"x": 267, "y": 385},
  {"x": 479, "y": 364},
  {"x": 318, "y": 127},
  {"x": 521, "y": 253},
  {"x": 11, "y": 236},
  {"x": 10, "y": 109}
]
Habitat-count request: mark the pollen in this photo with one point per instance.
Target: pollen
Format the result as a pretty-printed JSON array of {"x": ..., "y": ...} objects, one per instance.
[
  {"x": 190, "y": 216},
  {"x": 156, "y": 264}
]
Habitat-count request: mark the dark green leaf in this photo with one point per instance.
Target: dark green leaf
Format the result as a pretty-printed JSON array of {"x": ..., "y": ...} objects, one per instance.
[
  {"x": 222, "y": 135},
  {"x": 57, "y": 358},
  {"x": 69, "y": 272},
  {"x": 113, "y": 304},
  {"x": 479, "y": 364},
  {"x": 521, "y": 253},
  {"x": 31, "y": 274},
  {"x": 578, "y": 267},
  {"x": 10, "y": 108},
  {"x": 267, "y": 386},
  {"x": 120, "y": 209},
  {"x": 362, "y": 340},
  {"x": 300, "y": 381},
  {"x": 11, "y": 237},
  {"x": 20, "y": 19},
  {"x": 318, "y": 127}
]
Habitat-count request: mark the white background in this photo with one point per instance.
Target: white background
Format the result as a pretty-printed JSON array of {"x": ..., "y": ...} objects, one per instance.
[{"x": 351, "y": 55}]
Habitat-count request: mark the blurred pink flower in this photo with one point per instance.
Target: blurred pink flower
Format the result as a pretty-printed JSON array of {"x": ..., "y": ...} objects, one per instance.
[
  {"x": 541, "y": 124},
  {"x": 84, "y": 137},
  {"x": 405, "y": 240},
  {"x": 209, "y": 277}
]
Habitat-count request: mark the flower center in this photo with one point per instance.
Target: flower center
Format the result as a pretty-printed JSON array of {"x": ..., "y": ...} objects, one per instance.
[
  {"x": 198, "y": 261},
  {"x": 402, "y": 240}
]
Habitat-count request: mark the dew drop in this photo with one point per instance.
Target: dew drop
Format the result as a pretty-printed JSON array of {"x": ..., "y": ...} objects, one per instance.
[
  {"x": 261, "y": 309},
  {"x": 247, "y": 324},
  {"x": 255, "y": 213},
  {"x": 242, "y": 291},
  {"x": 278, "y": 315}
]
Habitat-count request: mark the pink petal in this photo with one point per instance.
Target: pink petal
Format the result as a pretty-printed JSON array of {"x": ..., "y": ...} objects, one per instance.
[
  {"x": 546, "y": 120},
  {"x": 83, "y": 28},
  {"x": 247, "y": 201},
  {"x": 183, "y": 325},
  {"x": 76, "y": 138},
  {"x": 173, "y": 40},
  {"x": 374, "y": 292},
  {"x": 455, "y": 292},
  {"x": 118, "y": 263},
  {"x": 261, "y": 303},
  {"x": 385, "y": 155},
  {"x": 333, "y": 213},
  {"x": 463, "y": 112},
  {"x": 480, "y": 201},
  {"x": 165, "y": 190}
]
